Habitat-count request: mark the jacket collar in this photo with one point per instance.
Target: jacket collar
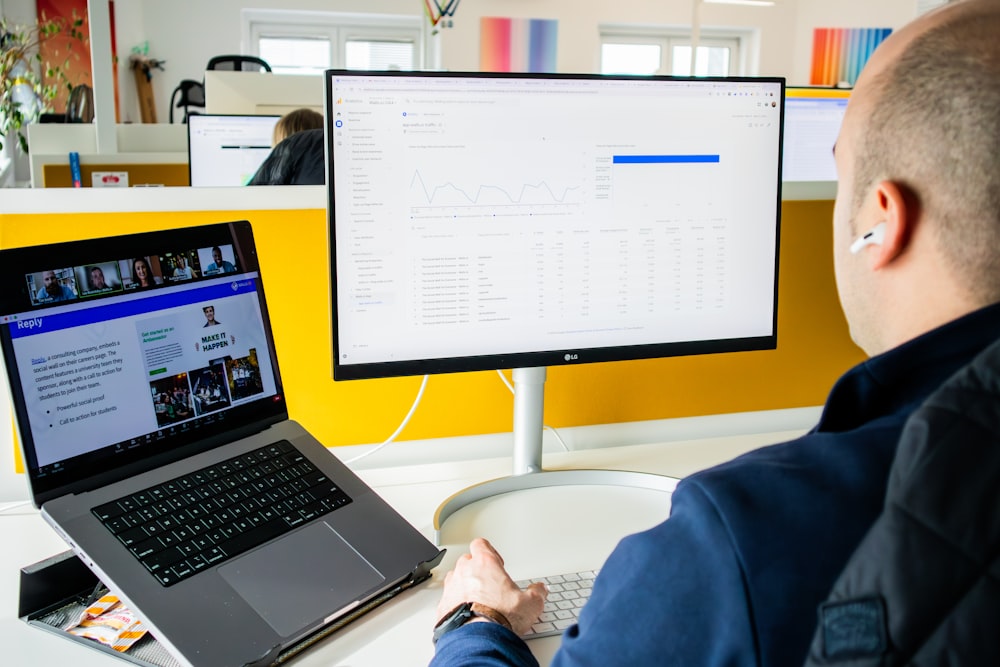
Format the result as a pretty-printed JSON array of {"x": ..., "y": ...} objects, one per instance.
[{"x": 898, "y": 380}]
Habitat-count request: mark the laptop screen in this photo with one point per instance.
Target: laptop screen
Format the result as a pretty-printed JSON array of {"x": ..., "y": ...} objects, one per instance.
[{"x": 126, "y": 352}]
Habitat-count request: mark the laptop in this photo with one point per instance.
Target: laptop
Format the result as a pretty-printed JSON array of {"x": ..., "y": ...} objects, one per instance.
[{"x": 157, "y": 443}]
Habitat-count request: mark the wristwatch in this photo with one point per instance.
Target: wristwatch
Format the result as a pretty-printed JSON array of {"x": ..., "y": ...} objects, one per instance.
[{"x": 465, "y": 612}]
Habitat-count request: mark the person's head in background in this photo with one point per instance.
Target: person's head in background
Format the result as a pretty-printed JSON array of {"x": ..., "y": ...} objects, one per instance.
[
  {"x": 296, "y": 121},
  {"x": 918, "y": 161},
  {"x": 97, "y": 280}
]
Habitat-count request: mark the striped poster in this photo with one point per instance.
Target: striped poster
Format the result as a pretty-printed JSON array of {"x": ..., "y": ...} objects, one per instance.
[
  {"x": 517, "y": 45},
  {"x": 840, "y": 53}
]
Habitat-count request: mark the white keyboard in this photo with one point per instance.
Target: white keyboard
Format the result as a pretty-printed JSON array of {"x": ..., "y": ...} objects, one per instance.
[{"x": 567, "y": 595}]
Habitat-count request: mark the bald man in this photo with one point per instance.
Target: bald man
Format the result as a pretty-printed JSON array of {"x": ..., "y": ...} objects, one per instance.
[
  {"x": 52, "y": 289},
  {"x": 752, "y": 546}
]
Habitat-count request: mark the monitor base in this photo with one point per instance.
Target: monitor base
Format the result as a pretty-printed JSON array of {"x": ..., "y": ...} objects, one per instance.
[{"x": 546, "y": 478}]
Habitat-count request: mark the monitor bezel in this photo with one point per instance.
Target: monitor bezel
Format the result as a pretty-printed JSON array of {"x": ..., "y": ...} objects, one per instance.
[{"x": 541, "y": 358}]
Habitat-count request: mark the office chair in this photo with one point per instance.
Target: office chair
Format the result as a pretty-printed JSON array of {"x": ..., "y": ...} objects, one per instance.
[
  {"x": 239, "y": 64},
  {"x": 191, "y": 94}
]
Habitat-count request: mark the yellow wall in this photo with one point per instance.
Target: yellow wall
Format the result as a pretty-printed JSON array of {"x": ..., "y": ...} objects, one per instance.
[{"x": 813, "y": 344}]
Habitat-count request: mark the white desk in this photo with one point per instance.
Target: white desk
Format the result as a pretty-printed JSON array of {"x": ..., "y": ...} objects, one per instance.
[{"x": 539, "y": 532}]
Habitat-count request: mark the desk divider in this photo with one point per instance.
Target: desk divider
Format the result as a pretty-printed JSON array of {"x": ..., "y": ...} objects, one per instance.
[{"x": 814, "y": 345}]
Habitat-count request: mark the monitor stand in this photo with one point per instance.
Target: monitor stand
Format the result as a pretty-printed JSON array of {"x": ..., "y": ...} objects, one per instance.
[{"x": 529, "y": 401}]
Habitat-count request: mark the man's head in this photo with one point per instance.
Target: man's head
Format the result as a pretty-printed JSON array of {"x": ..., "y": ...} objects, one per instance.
[
  {"x": 51, "y": 283},
  {"x": 209, "y": 313},
  {"x": 918, "y": 157},
  {"x": 97, "y": 278},
  {"x": 217, "y": 255}
]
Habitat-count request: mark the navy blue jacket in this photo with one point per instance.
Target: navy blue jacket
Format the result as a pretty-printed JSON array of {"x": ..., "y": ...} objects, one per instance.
[
  {"x": 922, "y": 587},
  {"x": 752, "y": 546}
]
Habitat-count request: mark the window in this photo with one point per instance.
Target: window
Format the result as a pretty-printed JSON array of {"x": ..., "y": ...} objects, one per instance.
[
  {"x": 297, "y": 42},
  {"x": 627, "y": 50}
]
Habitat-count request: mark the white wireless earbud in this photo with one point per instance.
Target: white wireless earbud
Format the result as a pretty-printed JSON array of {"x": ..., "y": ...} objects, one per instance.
[{"x": 872, "y": 237}]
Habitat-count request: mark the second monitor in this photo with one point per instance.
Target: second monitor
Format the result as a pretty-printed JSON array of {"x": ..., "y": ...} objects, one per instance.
[
  {"x": 227, "y": 149},
  {"x": 812, "y": 123}
]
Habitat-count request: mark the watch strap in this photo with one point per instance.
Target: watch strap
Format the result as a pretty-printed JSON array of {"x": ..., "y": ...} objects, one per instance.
[
  {"x": 465, "y": 612},
  {"x": 490, "y": 613}
]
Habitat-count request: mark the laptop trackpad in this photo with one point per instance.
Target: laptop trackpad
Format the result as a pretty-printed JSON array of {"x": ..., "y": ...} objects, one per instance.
[{"x": 301, "y": 577}]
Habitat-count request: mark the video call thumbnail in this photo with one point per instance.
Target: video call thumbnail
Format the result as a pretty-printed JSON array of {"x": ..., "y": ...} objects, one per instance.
[
  {"x": 98, "y": 278},
  {"x": 109, "y": 277}
]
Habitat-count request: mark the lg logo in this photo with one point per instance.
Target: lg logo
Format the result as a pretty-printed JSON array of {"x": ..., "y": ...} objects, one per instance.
[{"x": 571, "y": 357}]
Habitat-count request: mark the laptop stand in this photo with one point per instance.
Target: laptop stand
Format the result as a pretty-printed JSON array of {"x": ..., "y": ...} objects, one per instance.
[{"x": 57, "y": 589}]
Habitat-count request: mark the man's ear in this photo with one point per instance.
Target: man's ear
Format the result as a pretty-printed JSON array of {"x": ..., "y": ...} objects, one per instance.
[{"x": 897, "y": 211}]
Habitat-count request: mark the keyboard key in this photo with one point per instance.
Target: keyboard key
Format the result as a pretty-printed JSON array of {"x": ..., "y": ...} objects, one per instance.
[
  {"x": 542, "y": 629},
  {"x": 568, "y": 593},
  {"x": 162, "y": 559}
]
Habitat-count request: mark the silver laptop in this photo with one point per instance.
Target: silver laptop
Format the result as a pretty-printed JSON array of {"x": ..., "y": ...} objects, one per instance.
[{"x": 157, "y": 443}]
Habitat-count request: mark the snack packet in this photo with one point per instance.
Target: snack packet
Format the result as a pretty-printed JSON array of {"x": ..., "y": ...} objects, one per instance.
[{"x": 109, "y": 622}]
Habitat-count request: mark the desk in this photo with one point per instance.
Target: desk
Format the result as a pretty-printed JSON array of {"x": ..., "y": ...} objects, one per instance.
[{"x": 530, "y": 529}]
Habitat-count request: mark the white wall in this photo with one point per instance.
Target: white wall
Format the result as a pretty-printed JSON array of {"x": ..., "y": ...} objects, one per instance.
[
  {"x": 842, "y": 14},
  {"x": 186, "y": 33},
  {"x": 186, "y": 39}
]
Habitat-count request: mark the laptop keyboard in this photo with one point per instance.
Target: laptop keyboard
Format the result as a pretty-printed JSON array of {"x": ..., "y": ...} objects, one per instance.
[
  {"x": 567, "y": 595},
  {"x": 182, "y": 526}
]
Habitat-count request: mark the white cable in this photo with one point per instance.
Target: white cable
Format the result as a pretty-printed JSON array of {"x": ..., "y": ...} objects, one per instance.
[
  {"x": 505, "y": 381},
  {"x": 13, "y": 506},
  {"x": 406, "y": 420},
  {"x": 549, "y": 428}
]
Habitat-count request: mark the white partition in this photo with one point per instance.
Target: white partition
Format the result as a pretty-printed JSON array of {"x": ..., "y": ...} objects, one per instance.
[
  {"x": 153, "y": 143},
  {"x": 248, "y": 93}
]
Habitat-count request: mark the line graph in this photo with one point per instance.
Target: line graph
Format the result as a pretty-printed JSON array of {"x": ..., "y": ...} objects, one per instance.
[{"x": 448, "y": 193}]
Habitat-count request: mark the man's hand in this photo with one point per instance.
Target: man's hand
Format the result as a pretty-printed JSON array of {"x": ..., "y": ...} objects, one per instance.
[{"x": 479, "y": 576}]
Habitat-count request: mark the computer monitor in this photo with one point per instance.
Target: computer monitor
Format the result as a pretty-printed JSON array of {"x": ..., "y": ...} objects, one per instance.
[
  {"x": 227, "y": 149},
  {"x": 812, "y": 122},
  {"x": 482, "y": 221}
]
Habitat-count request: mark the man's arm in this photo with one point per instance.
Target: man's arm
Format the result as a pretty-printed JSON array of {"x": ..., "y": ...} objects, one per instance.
[
  {"x": 479, "y": 576},
  {"x": 672, "y": 595}
]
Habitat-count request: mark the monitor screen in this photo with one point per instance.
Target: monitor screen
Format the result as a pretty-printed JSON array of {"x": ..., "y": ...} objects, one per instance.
[
  {"x": 812, "y": 122},
  {"x": 483, "y": 221},
  {"x": 227, "y": 150}
]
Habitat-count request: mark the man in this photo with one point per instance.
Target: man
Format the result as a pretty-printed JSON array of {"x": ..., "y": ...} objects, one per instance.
[
  {"x": 735, "y": 575},
  {"x": 97, "y": 280},
  {"x": 182, "y": 271},
  {"x": 218, "y": 264},
  {"x": 52, "y": 289},
  {"x": 210, "y": 317}
]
